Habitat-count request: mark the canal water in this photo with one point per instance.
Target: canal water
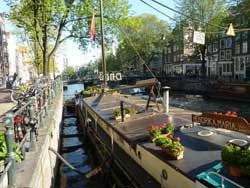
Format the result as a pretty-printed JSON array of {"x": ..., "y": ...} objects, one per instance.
[
  {"x": 202, "y": 104},
  {"x": 74, "y": 150}
]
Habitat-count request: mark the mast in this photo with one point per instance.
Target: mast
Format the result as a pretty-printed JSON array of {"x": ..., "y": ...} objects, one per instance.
[{"x": 103, "y": 50}]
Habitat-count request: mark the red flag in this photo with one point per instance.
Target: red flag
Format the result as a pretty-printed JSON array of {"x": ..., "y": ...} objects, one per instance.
[{"x": 92, "y": 28}]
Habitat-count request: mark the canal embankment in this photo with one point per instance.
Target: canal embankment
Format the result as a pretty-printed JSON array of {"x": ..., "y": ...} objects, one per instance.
[{"x": 40, "y": 166}]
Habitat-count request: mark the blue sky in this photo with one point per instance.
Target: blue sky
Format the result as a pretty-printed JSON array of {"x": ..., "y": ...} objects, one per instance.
[
  {"x": 76, "y": 56},
  {"x": 139, "y": 8}
]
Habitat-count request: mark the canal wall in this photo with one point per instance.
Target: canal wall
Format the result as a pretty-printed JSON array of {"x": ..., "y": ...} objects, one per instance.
[{"x": 39, "y": 168}]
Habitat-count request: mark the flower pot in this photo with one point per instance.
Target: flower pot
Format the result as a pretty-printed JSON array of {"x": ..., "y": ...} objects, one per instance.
[
  {"x": 235, "y": 171},
  {"x": 169, "y": 153}
]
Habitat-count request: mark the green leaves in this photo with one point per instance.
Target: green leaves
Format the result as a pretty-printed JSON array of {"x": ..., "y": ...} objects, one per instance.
[
  {"x": 232, "y": 155},
  {"x": 3, "y": 149}
]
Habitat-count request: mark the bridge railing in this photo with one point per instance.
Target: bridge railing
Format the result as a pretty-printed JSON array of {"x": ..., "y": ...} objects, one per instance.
[{"x": 22, "y": 128}]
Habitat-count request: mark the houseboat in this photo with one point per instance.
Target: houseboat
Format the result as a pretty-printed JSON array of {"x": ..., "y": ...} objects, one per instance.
[{"x": 145, "y": 163}]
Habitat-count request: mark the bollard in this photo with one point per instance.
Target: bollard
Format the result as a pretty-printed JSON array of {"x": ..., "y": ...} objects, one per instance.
[
  {"x": 166, "y": 98},
  {"x": 11, "y": 156},
  {"x": 32, "y": 123}
]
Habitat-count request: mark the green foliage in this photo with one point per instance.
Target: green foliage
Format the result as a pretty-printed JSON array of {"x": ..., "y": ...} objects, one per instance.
[
  {"x": 233, "y": 155},
  {"x": 141, "y": 35},
  {"x": 69, "y": 73},
  {"x": 169, "y": 143},
  {"x": 3, "y": 149},
  {"x": 91, "y": 91},
  {"x": 49, "y": 23},
  {"x": 168, "y": 128},
  {"x": 127, "y": 110}
]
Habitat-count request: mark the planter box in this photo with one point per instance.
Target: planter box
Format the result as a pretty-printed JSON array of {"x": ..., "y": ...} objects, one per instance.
[{"x": 169, "y": 153}]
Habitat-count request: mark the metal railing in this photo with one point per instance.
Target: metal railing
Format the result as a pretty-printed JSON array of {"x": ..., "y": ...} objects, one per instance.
[{"x": 22, "y": 127}]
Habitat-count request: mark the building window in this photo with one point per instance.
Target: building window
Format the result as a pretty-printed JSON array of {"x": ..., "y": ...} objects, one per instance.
[
  {"x": 236, "y": 64},
  {"x": 237, "y": 37},
  {"x": 244, "y": 35},
  {"x": 174, "y": 48},
  {"x": 237, "y": 49},
  {"x": 229, "y": 43},
  {"x": 215, "y": 47},
  {"x": 228, "y": 54},
  {"x": 174, "y": 58},
  {"x": 215, "y": 58},
  {"x": 209, "y": 48},
  {"x": 244, "y": 47},
  {"x": 222, "y": 43},
  {"x": 228, "y": 67},
  {"x": 222, "y": 55},
  {"x": 169, "y": 50},
  {"x": 241, "y": 64}
]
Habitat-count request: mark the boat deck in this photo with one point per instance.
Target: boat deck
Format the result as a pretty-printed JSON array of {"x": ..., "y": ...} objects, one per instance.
[{"x": 201, "y": 152}]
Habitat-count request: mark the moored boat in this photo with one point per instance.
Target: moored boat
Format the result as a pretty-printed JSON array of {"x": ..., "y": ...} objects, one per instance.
[{"x": 128, "y": 141}]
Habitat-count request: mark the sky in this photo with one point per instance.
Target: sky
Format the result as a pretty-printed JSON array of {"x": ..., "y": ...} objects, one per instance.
[{"x": 77, "y": 57}]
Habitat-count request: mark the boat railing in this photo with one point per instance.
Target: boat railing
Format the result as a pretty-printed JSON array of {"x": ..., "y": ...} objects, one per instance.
[
  {"x": 223, "y": 179},
  {"x": 21, "y": 128}
]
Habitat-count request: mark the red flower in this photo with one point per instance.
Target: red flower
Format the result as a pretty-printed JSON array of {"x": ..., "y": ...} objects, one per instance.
[{"x": 178, "y": 139}]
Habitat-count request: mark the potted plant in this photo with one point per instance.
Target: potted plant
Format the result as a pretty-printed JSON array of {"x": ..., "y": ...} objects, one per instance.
[
  {"x": 163, "y": 130},
  {"x": 170, "y": 146},
  {"x": 236, "y": 159},
  {"x": 127, "y": 112},
  {"x": 91, "y": 91}
]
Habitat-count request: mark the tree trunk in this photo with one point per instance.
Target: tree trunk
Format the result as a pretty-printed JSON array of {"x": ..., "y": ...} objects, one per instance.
[{"x": 45, "y": 59}]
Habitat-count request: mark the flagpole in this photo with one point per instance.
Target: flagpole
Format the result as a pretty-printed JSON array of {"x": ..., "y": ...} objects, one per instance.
[{"x": 103, "y": 50}]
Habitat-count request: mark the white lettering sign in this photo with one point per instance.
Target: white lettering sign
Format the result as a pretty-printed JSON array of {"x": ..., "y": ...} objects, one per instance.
[{"x": 111, "y": 76}]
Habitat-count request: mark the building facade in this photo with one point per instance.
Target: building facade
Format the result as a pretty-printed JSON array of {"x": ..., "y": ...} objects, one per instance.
[{"x": 4, "y": 66}]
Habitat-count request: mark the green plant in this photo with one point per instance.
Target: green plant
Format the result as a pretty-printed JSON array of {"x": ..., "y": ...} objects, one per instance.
[
  {"x": 117, "y": 112},
  {"x": 157, "y": 130},
  {"x": 237, "y": 156},
  {"x": 173, "y": 145},
  {"x": 90, "y": 91},
  {"x": 127, "y": 110},
  {"x": 3, "y": 149},
  {"x": 167, "y": 128}
]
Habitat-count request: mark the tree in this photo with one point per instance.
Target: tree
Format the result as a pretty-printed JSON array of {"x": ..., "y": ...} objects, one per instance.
[
  {"x": 207, "y": 15},
  {"x": 69, "y": 73},
  {"x": 140, "y": 40},
  {"x": 48, "y": 23}
]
